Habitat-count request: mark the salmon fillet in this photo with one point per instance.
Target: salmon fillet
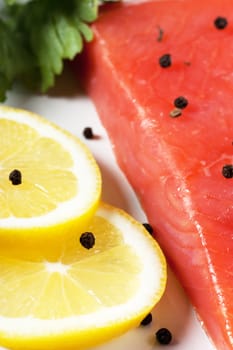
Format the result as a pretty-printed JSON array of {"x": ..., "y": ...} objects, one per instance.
[{"x": 179, "y": 166}]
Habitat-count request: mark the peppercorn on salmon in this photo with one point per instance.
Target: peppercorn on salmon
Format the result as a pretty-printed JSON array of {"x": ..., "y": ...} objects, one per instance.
[{"x": 161, "y": 76}]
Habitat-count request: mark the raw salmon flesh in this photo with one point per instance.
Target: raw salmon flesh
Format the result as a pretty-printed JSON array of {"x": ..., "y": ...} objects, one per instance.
[{"x": 177, "y": 154}]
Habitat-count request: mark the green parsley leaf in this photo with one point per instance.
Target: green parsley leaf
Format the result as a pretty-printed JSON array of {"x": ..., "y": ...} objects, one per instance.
[
  {"x": 37, "y": 36},
  {"x": 14, "y": 58}
]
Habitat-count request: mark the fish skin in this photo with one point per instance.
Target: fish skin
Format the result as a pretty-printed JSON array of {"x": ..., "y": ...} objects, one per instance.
[{"x": 174, "y": 164}]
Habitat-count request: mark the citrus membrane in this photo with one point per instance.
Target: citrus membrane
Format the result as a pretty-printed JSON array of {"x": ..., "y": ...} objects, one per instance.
[
  {"x": 88, "y": 296},
  {"x": 59, "y": 182}
]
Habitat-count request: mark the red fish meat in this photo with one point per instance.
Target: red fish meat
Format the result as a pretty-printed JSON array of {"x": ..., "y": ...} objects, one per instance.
[{"x": 179, "y": 161}]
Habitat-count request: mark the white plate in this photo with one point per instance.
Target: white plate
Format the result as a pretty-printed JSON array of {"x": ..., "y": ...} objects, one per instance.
[{"x": 72, "y": 110}]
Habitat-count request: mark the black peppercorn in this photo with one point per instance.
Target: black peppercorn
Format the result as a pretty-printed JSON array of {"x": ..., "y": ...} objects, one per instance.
[
  {"x": 15, "y": 177},
  {"x": 147, "y": 320},
  {"x": 220, "y": 22},
  {"x": 88, "y": 133},
  {"x": 165, "y": 61},
  {"x": 180, "y": 102},
  {"x": 163, "y": 336},
  {"x": 148, "y": 227},
  {"x": 227, "y": 171},
  {"x": 87, "y": 240}
]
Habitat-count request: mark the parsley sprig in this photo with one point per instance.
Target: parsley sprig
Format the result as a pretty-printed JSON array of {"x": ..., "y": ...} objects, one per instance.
[{"x": 36, "y": 37}]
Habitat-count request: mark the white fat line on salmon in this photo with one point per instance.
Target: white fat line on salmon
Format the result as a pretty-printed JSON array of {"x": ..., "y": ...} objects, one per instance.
[
  {"x": 214, "y": 278},
  {"x": 223, "y": 159},
  {"x": 123, "y": 86}
]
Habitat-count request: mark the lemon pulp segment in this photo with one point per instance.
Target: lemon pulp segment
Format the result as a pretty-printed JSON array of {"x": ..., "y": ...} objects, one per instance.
[{"x": 46, "y": 168}]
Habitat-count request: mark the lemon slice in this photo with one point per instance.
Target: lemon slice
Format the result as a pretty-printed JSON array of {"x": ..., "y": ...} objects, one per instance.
[
  {"x": 49, "y": 182},
  {"x": 89, "y": 295}
]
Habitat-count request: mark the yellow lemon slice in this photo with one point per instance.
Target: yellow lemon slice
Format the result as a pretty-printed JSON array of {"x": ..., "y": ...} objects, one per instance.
[
  {"x": 49, "y": 183},
  {"x": 104, "y": 284}
]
